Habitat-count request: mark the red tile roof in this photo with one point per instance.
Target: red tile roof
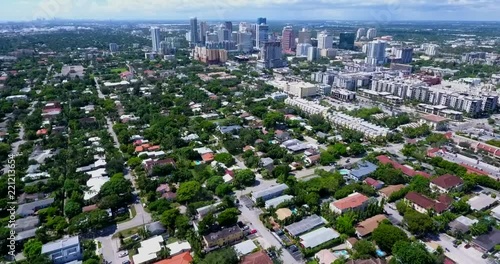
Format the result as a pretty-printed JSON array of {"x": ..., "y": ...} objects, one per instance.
[
  {"x": 493, "y": 150},
  {"x": 447, "y": 181},
  {"x": 184, "y": 258},
  {"x": 41, "y": 132},
  {"x": 434, "y": 118},
  {"x": 154, "y": 148},
  {"x": 439, "y": 206},
  {"x": 256, "y": 258},
  {"x": 471, "y": 169},
  {"x": 89, "y": 208},
  {"x": 207, "y": 157},
  {"x": 407, "y": 171},
  {"x": 138, "y": 149},
  {"x": 371, "y": 182},
  {"x": 350, "y": 202}
]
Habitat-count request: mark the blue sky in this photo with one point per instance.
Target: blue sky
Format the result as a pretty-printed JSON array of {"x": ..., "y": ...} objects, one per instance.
[{"x": 374, "y": 10}]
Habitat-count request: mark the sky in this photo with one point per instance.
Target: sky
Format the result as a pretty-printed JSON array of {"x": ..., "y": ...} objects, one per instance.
[{"x": 235, "y": 10}]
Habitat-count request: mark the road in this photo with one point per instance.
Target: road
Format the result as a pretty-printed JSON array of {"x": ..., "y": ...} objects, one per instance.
[
  {"x": 460, "y": 254},
  {"x": 15, "y": 147}
]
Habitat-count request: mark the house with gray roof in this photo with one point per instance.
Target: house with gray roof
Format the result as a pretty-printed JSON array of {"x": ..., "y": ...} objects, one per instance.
[
  {"x": 486, "y": 243},
  {"x": 30, "y": 208},
  {"x": 269, "y": 193},
  {"x": 26, "y": 223},
  {"x": 63, "y": 250},
  {"x": 362, "y": 170},
  {"x": 229, "y": 129},
  {"x": 156, "y": 228},
  {"x": 304, "y": 225}
]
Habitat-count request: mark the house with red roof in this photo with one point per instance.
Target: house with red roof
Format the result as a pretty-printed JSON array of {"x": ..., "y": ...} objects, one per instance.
[
  {"x": 355, "y": 201},
  {"x": 208, "y": 157},
  {"x": 150, "y": 164},
  {"x": 126, "y": 76},
  {"x": 41, "y": 132},
  {"x": 374, "y": 183},
  {"x": 423, "y": 204},
  {"x": 184, "y": 258},
  {"x": 446, "y": 183},
  {"x": 408, "y": 171}
]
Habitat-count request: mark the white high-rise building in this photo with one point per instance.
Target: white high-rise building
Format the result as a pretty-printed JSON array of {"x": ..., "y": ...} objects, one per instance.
[
  {"x": 432, "y": 50},
  {"x": 360, "y": 33},
  {"x": 244, "y": 27},
  {"x": 371, "y": 33},
  {"x": 375, "y": 53},
  {"x": 302, "y": 49},
  {"x": 245, "y": 41},
  {"x": 261, "y": 35},
  {"x": 155, "y": 38},
  {"x": 325, "y": 41},
  {"x": 312, "y": 53}
]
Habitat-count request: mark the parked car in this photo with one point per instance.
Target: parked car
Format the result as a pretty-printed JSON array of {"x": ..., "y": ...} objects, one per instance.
[
  {"x": 126, "y": 262},
  {"x": 123, "y": 254},
  {"x": 293, "y": 248},
  {"x": 253, "y": 231}
]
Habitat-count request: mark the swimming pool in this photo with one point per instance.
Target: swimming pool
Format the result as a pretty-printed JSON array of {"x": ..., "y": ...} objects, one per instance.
[
  {"x": 380, "y": 253},
  {"x": 344, "y": 171},
  {"x": 341, "y": 253}
]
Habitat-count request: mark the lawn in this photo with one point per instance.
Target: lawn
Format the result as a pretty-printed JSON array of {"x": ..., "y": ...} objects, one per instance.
[
  {"x": 128, "y": 232},
  {"x": 118, "y": 70}
]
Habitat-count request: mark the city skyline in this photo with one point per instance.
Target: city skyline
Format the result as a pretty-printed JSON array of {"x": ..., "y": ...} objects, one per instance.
[{"x": 373, "y": 10}]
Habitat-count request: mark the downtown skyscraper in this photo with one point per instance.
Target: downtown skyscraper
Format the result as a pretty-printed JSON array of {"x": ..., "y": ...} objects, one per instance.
[
  {"x": 155, "y": 38},
  {"x": 325, "y": 41},
  {"x": 287, "y": 39},
  {"x": 194, "y": 30}
]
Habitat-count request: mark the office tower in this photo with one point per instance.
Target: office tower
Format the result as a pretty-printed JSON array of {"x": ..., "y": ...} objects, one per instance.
[
  {"x": 203, "y": 32},
  {"x": 261, "y": 20},
  {"x": 312, "y": 53},
  {"x": 404, "y": 54},
  {"x": 431, "y": 50},
  {"x": 211, "y": 37},
  {"x": 271, "y": 56},
  {"x": 304, "y": 36},
  {"x": 261, "y": 35},
  {"x": 174, "y": 42},
  {"x": 223, "y": 33},
  {"x": 113, "y": 47},
  {"x": 245, "y": 42},
  {"x": 325, "y": 41},
  {"x": 371, "y": 33},
  {"x": 194, "y": 30},
  {"x": 360, "y": 33},
  {"x": 287, "y": 39},
  {"x": 155, "y": 38},
  {"x": 229, "y": 25},
  {"x": 302, "y": 49},
  {"x": 329, "y": 53},
  {"x": 234, "y": 36},
  {"x": 375, "y": 54},
  {"x": 346, "y": 40},
  {"x": 244, "y": 27}
]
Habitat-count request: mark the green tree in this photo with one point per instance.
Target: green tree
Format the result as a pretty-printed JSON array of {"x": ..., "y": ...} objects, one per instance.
[
  {"x": 244, "y": 177},
  {"x": 72, "y": 208},
  {"x": 168, "y": 219},
  {"x": 326, "y": 158},
  {"x": 226, "y": 256},
  {"x": 225, "y": 158},
  {"x": 188, "y": 191},
  {"x": 228, "y": 217},
  {"x": 417, "y": 223},
  {"x": 32, "y": 248},
  {"x": 386, "y": 235},
  {"x": 364, "y": 249},
  {"x": 213, "y": 182},
  {"x": 223, "y": 189},
  {"x": 345, "y": 224},
  {"x": 356, "y": 149},
  {"x": 272, "y": 118},
  {"x": 411, "y": 252}
]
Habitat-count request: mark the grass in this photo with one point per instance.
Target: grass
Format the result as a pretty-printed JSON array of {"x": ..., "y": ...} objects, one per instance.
[
  {"x": 132, "y": 210},
  {"x": 128, "y": 232},
  {"x": 118, "y": 70}
]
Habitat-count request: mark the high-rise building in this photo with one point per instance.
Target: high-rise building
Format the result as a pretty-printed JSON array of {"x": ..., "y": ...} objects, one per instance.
[
  {"x": 405, "y": 55},
  {"x": 302, "y": 49},
  {"x": 223, "y": 33},
  {"x": 234, "y": 36},
  {"x": 375, "y": 54},
  {"x": 210, "y": 56},
  {"x": 194, "y": 30},
  {"x": 212, "y": 37},
  {"x": 325, "y": 41},
  {"x": 229, "y": 25},
  {"x": 203, "y": 32},
  {"x": 287, "y": 39},
  {"x": 312, "y": 53},
  {"x": 360, "y": 33},
  {"x": 371, "y": 33},
  {"x": 244, "y": 27},
  {"x": 113, "y": 47},
  {"x": 155, "y": 38},
  {"x": 261, "y": 20},
  {"x": 271, "y": 56},
  {"x": 304, "y": 36},
  {"x": 261, "y": 35},
  {"x": 346, "y": 40},
  {"x": 431, "y": 50},
  {"x": 244, "y": 42}
]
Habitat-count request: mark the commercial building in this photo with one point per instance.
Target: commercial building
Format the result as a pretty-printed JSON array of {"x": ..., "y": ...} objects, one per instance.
[
  {"x": 304, "y": 225},
  {"x": 329, "y": 53},
  {"x": 355, "y": 201},
  {"x": 312, "y": 54},
  {"x": 346, "y": 40},
  {"x": 155, "y": 39},
  {"x": 223, "y": 237},
  {"x": 375, "y": 54},
  {"x": 404, "y": 55},
  {"x": 344, "y": 95},
  {"x": 193, "y": 26},
  {"x": 271, "y": 56},
  {"x": 244, "y": 42},
  {"x": 318, "y": 237},
  {"x": 325, "y": 41},
  {"x": 287, "y": 39},
  {"x": 269, "y": 193},
  {"x": 202, "y": 36},
  {"x": 304, "y": 36},
  {"x": 302, "y": 49},
  {"x": 296, "y": 88},
  {"x": 63, "y": 250},
  {"x": 261, "y": 35}
]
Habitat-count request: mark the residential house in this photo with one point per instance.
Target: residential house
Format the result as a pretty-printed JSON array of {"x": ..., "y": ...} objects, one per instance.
[
  {"x": 362, "y": 170},
  {"x": 267, "y": 163},
  {"x": 229, "y": 129},
  {"x": 318, "y": 237},
  {"x": 150, "y": 164},
  {"x": 446, "y": 183},
  {"x": 366, "y": 227},
  {"x": 155, "y": 228},
  {"x": 148, "y": 250},
  {"x": 350, "y": 242},
  {"x": 367, "y": 261},
  {"x": 281, "y": 135},
  {"x": 374, "y": 183},
  {"x": 269, "y": 193},
  {"x": 63, "y": 250},
  {"x": 202, "y": 211},
  {"x": 283, "y": 213},
  {"x": 30, "y": 208},
  {"x": 462, "y": 224},
  {"x": 244, "y": 248},
  {"x": 387, "y": 191},
  {"x": 407, "y": 170},
  {"x": 259, "y": 257},
  {"x": 355, "y": 201},
  {"x": 312, "y": 160},
  {"x": 184, "y": 258},
  {"x": 26, "y": 223},
  {"x": 223, "y": 237},
  {"x": 423, "y": 204},
  {"x": 487, "y": 242},
  {"x": 325, "y": 256},
  {"x": 495, "y": 212},
  {"x": 305, "y": 225},
  {"x": 481, "y": 202}
]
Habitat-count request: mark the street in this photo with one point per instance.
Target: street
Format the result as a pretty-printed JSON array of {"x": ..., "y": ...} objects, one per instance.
[{"x": 460, "y": 254}]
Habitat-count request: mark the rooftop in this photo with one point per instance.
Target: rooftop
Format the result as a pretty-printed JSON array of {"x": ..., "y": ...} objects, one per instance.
[
  {"x": 481, "y": 202},
  {"x": 367, "y": 226},
  {"x": 184, "y": 258},
  {"x": 60, "y": 244},
  {"x": 305, "y": 225},
  {"x": 257, "y": 258},
  {"x": 387, "y": 191},
  {"x": 318, "y": 237},
  {"x": 222, "y": 233},
  {"x": 352, "y": 201},
  {"x": 447, "y": 181},
  {"x": 489, "y": 240}
]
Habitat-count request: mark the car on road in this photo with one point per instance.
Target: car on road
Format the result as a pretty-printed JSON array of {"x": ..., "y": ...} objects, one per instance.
[
  {"x": 126, "y": 262},
  {"x": 123, "y": 254},
  {"x": 293, "y": 248},
  {"x": 135, "y": 237},
  {"x": 253, "y": 231}
]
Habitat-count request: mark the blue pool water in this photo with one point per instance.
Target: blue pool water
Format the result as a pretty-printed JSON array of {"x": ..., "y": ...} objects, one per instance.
[
  {"x": 341, "y": 253},
  {"x": 197, "y": 162},
  {"x": 344, "y": 171},
  {"x": 380, "y": 253}
]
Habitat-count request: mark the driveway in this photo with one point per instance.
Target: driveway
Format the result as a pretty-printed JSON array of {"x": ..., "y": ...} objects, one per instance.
[{"x": 461, "y": 255}]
